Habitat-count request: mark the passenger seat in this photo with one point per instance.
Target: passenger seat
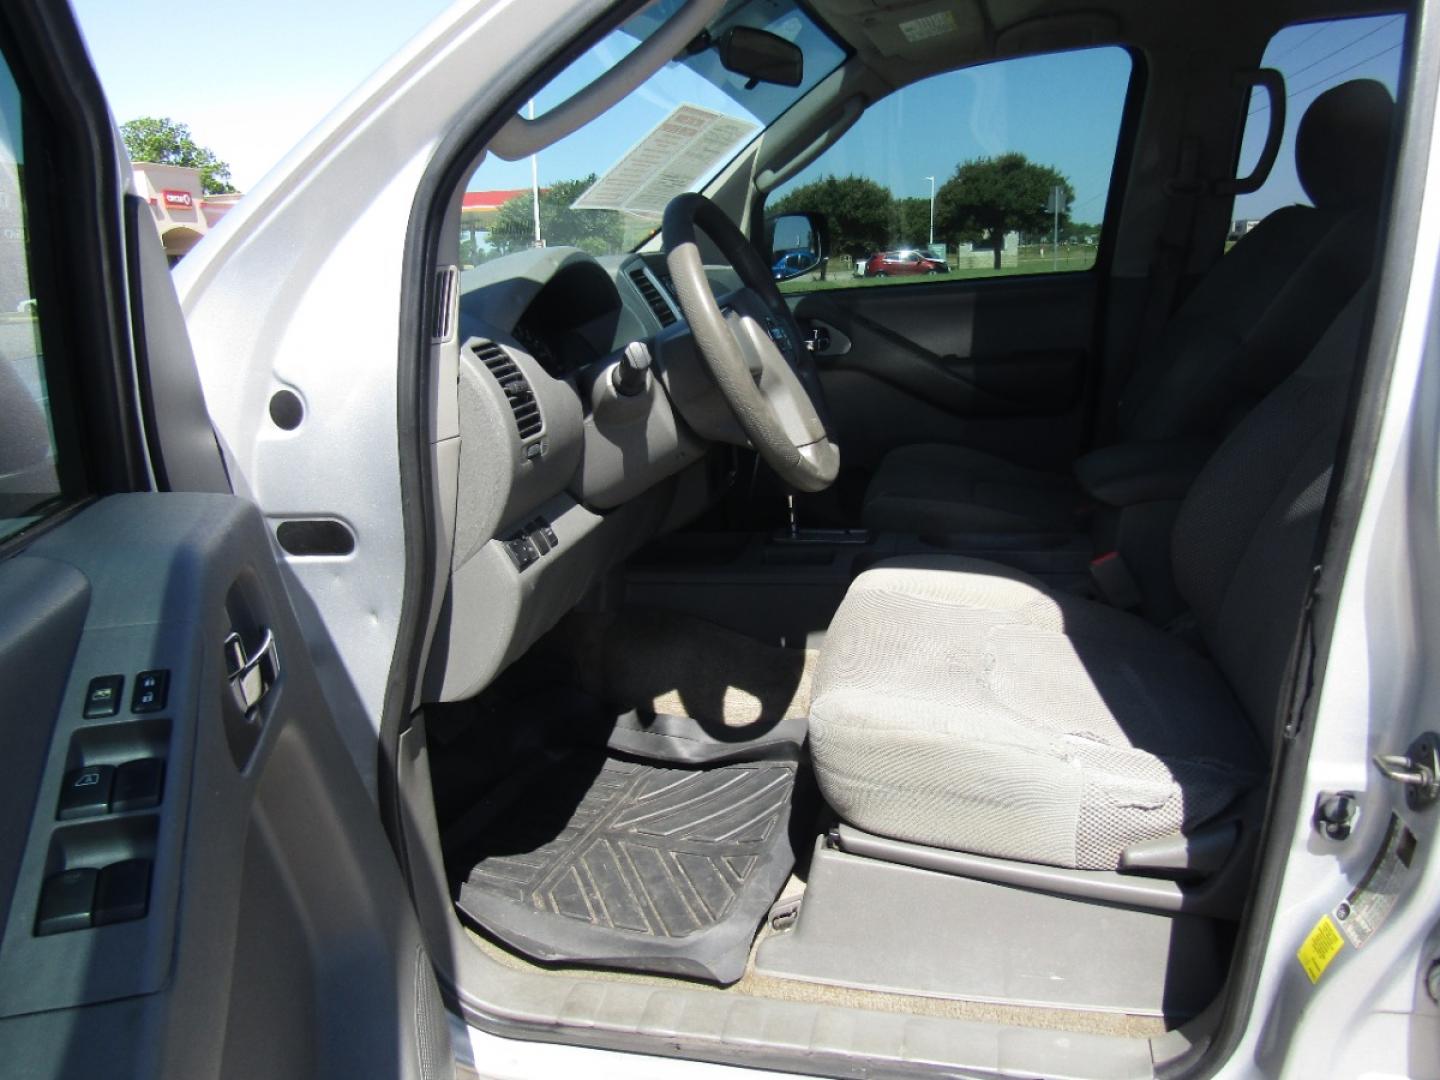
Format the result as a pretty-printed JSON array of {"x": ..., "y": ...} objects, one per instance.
[{"x": 1240, "y": 332}]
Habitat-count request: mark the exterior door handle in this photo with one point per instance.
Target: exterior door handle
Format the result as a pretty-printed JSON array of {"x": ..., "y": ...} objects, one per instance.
[{"x": 251, "y": 675}]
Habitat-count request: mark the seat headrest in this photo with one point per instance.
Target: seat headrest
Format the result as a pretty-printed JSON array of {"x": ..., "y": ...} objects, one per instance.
[{"x": 1341, "y": 146}]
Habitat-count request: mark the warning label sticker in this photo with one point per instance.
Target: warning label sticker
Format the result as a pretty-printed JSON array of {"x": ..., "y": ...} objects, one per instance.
[
  {"x": 1320, "y": 947},
  {"x": 676, "y": 154},
  {"x": 928, "y": 26},
  {"x": 1369, "y": 904}
]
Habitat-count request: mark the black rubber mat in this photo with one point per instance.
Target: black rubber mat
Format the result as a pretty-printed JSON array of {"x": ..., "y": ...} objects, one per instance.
[{"x": 633, "y": 865}]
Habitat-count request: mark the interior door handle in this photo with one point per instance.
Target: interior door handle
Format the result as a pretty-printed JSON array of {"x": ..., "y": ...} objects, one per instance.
[{"x": 251, "y": 676}]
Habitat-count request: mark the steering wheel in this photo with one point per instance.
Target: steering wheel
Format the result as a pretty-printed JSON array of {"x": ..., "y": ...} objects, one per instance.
[{"x": 751, "y": 345}]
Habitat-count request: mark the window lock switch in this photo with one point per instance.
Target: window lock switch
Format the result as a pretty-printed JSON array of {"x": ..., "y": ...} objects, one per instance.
[
  {"x": 86, "y": 792},
  {"x": 102, "y": 696}
]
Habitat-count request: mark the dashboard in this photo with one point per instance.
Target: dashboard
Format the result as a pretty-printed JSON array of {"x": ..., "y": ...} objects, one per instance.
[{"x": 557, "y": 475}]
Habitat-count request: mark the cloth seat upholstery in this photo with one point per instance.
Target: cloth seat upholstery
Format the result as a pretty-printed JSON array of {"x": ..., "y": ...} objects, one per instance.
[
  {"x": 962, "y": 705},
  {"x": 1245, "y": 326}
]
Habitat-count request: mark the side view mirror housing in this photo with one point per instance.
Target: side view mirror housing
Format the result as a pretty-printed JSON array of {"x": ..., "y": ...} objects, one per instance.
[
  {"x": 795, "y": 244},
  {"x": 761, "y": 56}
]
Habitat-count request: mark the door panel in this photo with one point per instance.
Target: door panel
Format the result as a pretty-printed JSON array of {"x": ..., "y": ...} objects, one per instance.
[
  {"x": 277, "y": 938},
  {"x": 999, "y": 364}
]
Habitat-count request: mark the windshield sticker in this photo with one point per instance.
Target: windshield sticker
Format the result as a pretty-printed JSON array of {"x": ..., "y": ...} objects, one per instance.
[
  {"x": 928, "y": 26},
  {"x": 679, "y": 151},
  {"x": 1320, "y": 946},
  {"x": 1361, "y": 913}
]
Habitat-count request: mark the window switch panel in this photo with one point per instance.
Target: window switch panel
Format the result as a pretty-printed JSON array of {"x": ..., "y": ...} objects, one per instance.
[
  {"x": 138, "y": 785},
  {"x": 122, "y": 892},
  {"x": 67, "y": 901},
  {"x": 86, "y": 792}
]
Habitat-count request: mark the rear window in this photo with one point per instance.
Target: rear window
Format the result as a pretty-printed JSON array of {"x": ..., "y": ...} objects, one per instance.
[{"x": 1313, "y": 57}]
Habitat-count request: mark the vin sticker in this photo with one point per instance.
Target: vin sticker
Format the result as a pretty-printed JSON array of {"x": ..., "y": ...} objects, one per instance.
[{"x": 1369, "y": 904}]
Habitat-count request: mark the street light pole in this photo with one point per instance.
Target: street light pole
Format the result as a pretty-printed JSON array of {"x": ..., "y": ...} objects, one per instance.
[
  {"x": 932, "y": 210},
  {"x": 535, "y": 185}
]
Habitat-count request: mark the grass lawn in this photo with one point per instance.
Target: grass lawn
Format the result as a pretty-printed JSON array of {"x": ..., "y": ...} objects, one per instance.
[{"x": 841, "y": 272}]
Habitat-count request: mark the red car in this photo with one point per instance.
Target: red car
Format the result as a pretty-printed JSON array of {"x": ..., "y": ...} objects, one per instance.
[{"x": 904, "y": 261}]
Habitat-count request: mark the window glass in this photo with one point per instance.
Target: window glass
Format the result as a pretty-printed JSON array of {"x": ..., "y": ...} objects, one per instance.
[
  {"x": 999, "y": 169},
  {"x": 28, "y": 477},
  {"x": 1312, "y": 57},
  {"x": 604, "y": 187}
]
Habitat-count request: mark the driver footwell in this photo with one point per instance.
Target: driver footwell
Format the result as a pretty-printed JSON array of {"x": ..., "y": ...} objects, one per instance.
[{"x": 633, "y": 864}]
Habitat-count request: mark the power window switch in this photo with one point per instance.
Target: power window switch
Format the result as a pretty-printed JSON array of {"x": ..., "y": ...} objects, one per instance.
[
  {"x": 150, "y": 690},
  {"x": 102, "y": 696},
  {"x": 122, "y": 892},
  {"x": 67, "y": 901},
  {"x": 138, "y": 785},
  {"x": 86, "y": 792},
  {"x": 548, "y": 531}
]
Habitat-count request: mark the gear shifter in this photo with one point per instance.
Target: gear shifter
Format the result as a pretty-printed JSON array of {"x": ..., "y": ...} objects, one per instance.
[{"x": 632, "y": 369}]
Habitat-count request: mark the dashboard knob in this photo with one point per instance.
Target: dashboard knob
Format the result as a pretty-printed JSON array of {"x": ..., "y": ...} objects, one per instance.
[{"x": 631, "y": 369}]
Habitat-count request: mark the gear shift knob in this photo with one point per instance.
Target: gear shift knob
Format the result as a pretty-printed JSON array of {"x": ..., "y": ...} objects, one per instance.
[{"x": 631, "y": 370}]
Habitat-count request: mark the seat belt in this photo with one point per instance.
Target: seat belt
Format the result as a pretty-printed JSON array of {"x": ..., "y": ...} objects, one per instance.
[{"x": 1172, "y": 250}]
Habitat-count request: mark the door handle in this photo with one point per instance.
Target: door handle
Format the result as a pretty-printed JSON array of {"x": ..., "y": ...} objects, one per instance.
[{"x": 251, "y": 675}]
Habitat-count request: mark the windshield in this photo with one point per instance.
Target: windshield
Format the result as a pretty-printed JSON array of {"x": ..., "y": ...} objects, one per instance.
[{"x": 604, "y": 187}]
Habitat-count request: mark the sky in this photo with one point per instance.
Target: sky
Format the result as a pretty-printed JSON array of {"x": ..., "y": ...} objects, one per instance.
[
  {"x": 250, "y": 79},
  {"x": 262, "y": 74}
]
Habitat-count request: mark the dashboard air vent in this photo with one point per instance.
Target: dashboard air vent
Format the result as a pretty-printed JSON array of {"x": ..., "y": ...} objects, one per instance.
[
  {"x": 528, "y": 421},
  {"x": 652, "y": 296}
]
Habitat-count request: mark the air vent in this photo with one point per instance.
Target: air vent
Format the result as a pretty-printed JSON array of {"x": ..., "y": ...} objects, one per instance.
[
  {"x": 444, "y": 323},
  {"x": 652, "y": 296},
  {"x": 528, "y": 421}
]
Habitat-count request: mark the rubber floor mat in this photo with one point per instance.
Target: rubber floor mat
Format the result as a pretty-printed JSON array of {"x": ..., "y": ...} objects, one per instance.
[{"x": 632, "y": 865}]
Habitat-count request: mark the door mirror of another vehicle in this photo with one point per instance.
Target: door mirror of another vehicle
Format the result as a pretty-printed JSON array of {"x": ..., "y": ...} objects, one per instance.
[
  {"x": 761, "y": 56},
  {"x": 796, "y": 245}
]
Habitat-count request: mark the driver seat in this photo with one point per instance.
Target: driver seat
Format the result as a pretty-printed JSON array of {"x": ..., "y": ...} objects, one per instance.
[{"x": 962, "y": 705}]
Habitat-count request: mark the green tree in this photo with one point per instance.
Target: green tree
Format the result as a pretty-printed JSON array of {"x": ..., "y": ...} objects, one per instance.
[
  {"x": 911, "y": 222},
  {"x": 989, "y": 197},
  {"x": 599, "y": 232},
  {"x": 163, "y": 141},
  {"x": 858, "y": 211}
]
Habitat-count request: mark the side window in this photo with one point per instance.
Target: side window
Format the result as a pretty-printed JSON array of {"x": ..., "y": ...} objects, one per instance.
[
  {"x": 985, "y": 171},
  {"x": 29, "y": 480},
  {"x": 1313, "y": 57}
]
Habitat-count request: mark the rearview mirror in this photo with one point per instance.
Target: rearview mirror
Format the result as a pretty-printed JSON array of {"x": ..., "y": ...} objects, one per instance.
[
  {"x": 761, "y": 56},
  {"x": 796, "y": 244}
]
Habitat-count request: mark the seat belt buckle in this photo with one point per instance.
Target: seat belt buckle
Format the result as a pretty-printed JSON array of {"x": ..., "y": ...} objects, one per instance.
[{"x": 1114, "y": 582}]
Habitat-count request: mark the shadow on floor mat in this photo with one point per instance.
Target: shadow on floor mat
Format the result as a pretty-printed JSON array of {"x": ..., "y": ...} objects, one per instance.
[{"x": 628, "y": 864}]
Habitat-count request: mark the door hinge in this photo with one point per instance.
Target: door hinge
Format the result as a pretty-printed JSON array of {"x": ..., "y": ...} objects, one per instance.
[{"x": 1418, "y": 769}]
